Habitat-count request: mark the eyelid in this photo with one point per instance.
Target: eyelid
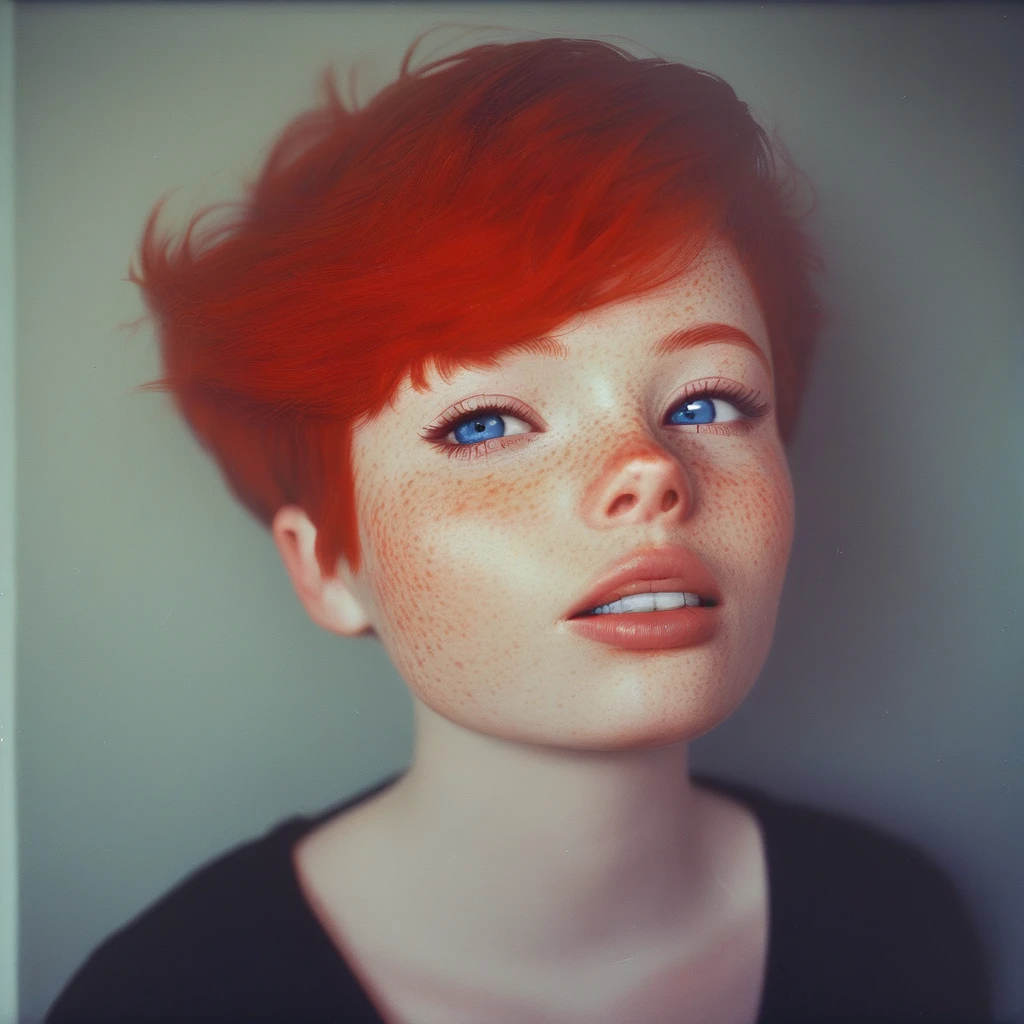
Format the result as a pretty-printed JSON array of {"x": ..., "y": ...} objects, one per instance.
[
  {"x": 749, "y": 401},
  {"x": 505, "y": 403}
]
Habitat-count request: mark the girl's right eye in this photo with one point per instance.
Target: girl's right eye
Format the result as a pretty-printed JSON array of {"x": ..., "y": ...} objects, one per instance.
[
  {"x": 486, "y": 425},
  {"x": 464, "y": 430}
]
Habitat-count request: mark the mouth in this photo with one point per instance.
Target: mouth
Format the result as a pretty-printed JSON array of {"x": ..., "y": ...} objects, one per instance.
[
  {"x": 651, "y": 580},
  {"x": 655, "y": 601},
  {"x": 656, "y": 598}
]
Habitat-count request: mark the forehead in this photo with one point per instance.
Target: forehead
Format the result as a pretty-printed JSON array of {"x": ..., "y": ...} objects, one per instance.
[{"x": 714, "y": 291}]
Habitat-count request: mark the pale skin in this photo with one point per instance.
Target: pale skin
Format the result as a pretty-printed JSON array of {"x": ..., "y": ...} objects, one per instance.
[{"x": 546, "y": 857}]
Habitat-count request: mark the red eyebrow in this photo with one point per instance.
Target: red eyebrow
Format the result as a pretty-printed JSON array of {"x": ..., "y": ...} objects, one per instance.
[
  {"x": 707, "y": 334},
  {"x": 687, "y": 337}
]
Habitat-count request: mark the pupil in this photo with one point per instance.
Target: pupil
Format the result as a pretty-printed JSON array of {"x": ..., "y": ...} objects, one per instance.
[{"x": 479, "y": 426}]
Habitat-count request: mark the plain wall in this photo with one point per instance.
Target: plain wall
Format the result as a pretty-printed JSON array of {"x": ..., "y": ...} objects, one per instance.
[
  {"x": 173, "y": 699},
  {"x": 8, "y": 823}
]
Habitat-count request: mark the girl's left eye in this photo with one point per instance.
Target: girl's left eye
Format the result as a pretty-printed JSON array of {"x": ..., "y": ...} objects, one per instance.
[{"x": 705, "y": 409}]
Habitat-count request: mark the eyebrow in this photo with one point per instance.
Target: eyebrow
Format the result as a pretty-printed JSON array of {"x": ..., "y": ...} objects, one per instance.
[{"x": 676, "y": 341}]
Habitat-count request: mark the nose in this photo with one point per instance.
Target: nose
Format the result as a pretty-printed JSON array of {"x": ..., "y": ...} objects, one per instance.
[{"x": 638, "y": 485}]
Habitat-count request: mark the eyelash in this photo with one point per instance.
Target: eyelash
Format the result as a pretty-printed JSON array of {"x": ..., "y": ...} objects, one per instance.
[
  {"x": 752, "y": 404},
  {"x": 749, "y": 403},
  {"x": 502, "y": 404}
]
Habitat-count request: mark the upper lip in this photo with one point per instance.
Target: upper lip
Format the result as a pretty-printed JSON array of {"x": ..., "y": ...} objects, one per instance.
[{"x": 669, "y": 568}]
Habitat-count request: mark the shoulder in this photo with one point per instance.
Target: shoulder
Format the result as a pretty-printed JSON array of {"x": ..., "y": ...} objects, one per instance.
[
  {"x": 864, "y": 924},
  {"x": 203, "y": 950}
]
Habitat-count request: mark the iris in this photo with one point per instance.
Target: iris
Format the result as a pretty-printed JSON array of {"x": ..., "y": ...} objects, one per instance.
[
  {"x": 479, "y": 428},
  {"x": 701, "y": 410}
]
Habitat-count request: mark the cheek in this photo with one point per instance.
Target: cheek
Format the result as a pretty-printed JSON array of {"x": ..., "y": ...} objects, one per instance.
[
  {"x": 751, "y": 504},
  {"x": 404, "y": 580},
  {"x": 440, "y": 561},
  {"x": 414, "y": 599}
]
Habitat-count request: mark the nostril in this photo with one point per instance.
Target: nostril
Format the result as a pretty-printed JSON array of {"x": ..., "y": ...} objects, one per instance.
[
  {"x": 622, "y": 503},
  {"x": 668, "y": 500}
]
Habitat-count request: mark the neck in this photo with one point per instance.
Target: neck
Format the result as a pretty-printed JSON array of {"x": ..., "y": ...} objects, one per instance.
[{"x": 567, "y": 848}]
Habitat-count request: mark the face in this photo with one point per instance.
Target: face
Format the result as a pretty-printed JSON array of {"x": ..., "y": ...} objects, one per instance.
[{"x": 474, "y": 551}]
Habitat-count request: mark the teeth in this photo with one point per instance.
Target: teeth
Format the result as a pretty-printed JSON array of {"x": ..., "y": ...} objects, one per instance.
[{"x": 647, "y": 603}]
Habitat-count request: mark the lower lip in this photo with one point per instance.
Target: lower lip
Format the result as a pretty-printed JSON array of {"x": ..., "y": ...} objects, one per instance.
[{"x": 650, "y": 631}]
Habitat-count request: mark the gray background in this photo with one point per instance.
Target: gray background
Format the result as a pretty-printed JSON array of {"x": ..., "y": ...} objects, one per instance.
[{"x": 172, "y": 697}]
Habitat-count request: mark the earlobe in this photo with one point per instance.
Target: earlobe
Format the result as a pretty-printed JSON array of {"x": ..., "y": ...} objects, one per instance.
[{"x": 329, "y": 601}]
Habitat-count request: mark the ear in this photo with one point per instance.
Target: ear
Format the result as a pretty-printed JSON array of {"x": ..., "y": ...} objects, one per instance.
[{"x": 329, "y": 600}]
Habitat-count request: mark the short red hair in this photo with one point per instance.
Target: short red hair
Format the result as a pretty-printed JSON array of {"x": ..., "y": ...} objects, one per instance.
[{"x": 474, "y": 205}]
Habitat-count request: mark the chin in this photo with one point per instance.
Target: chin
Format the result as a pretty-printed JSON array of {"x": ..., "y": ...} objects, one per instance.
[
  {"x": 649, "y": 714},
  {"x": 614, "y": 729},
  {"x": 647, "y": 735}
]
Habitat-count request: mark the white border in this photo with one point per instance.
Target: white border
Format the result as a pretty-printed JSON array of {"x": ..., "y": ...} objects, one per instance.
[{"x": 8, "y": 830}]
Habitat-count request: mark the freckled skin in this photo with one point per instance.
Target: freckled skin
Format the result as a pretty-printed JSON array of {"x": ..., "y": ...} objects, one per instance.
[{"x": 470, "y": 565}]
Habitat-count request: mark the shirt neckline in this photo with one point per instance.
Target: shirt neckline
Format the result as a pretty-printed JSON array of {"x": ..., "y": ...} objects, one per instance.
[{"x": 352, "y": 989}]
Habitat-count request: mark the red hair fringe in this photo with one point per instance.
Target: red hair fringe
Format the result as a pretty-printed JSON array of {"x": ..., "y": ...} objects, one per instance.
[{"x": 471, "y": 207}]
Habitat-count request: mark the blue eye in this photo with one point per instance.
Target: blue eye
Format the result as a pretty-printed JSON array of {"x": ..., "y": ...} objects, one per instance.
[
  {"x": 487, "y": 424},
  {"x": 705, "y": 410},
  {"x": 480, "y": 428}
]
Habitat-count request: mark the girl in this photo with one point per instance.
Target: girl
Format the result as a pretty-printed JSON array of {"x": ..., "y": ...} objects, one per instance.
[{"x": 507, "y": 361}]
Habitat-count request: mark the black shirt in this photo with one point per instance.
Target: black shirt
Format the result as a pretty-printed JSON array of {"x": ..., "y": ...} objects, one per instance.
[{"x": 862, "y": 927}]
